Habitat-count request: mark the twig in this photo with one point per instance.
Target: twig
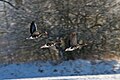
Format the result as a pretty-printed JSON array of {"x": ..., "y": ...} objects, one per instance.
[{"x": 9, "y": 3}]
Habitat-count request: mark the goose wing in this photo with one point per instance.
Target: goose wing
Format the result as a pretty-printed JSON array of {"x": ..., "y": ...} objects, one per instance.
[{"x": 33, "y": 28}]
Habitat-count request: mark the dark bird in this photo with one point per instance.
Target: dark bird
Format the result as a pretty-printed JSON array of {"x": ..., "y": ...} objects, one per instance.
[
  {"x": 72, "y": 42},
  {"x": 33, "y": 31},
  {"x": 53, "y": 51}
]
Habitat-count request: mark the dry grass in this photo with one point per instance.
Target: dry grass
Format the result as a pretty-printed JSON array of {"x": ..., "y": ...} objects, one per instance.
[{"x": 111, "y": 56}]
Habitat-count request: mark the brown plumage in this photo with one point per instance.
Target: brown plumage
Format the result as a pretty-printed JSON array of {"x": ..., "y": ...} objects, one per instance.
[
  {"x": 53, "y": 52},
  {"x": 73, "y": 39},
  {"x": 36, "y": 34}
]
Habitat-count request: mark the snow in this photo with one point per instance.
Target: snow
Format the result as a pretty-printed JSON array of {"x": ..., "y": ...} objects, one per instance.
[
  {"x": 88, "y": 77},
  {"x": 38, "y": 69}
]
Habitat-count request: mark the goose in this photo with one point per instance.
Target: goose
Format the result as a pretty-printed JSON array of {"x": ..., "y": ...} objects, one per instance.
[
  {"x": 52, "y": 51},
  {"x": 72, "y": 42},
  {"x": 33, "y": 31}
]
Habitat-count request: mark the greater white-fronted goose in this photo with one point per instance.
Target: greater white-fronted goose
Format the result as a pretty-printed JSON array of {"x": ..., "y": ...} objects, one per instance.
[{"x": 34, "y": 33}]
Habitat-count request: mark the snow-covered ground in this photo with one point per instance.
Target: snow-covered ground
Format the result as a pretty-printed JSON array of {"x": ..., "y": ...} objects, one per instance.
[
  {"x": 39, "y": 69},
  {"x": 88, "y": 77}
]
